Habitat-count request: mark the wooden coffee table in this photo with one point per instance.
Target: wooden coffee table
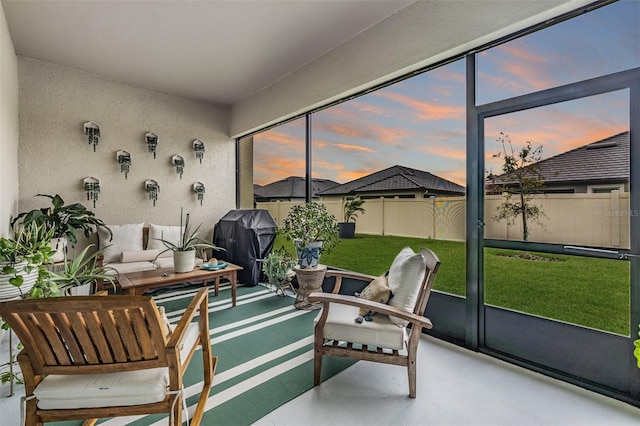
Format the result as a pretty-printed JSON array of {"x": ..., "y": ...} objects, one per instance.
[{"x": 136, "y": 283}]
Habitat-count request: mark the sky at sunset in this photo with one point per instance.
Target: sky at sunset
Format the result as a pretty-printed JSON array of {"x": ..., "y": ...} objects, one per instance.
[{"x": 420, "y": 122}]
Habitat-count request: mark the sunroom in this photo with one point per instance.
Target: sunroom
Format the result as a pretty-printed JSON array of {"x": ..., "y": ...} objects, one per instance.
[{"x": 424, "y": 84}]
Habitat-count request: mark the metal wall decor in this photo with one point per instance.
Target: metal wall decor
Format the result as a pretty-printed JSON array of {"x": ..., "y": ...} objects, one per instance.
[
  {"x": 198, "y": 188},
  {"x": 178, "y": 161},
  {"x": 152, "y": 188},
  {"x": 92, "y": 130},
  {"x": 92, "y": 187},
  {"x": 198, "y": 147},
  {"x": 152, "y": 142},
  {"x": 124, "y": 159}
]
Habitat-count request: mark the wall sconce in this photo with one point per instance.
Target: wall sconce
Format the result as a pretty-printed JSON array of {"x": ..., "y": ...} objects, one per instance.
[
  {"x": 92, "y": 186},
  {"x": 198, "y": 188},
  {"x": 124, "y": 159},
  {"x": 178, "y": 161},
  {"x": 92, "y": 130},
  {"x": 198, "y": 147},
  {"x": 152, "y": 188},
  {"x": 152, "y": 142}
]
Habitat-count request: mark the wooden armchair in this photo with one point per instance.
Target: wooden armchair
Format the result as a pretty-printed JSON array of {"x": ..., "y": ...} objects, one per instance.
[
  {"x": 88, "y": 357},
  {"x": 385, "y": 339}
]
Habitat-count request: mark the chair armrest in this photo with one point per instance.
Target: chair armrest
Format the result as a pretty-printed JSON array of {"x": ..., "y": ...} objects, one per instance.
[
  {"x": 200, "y": 300},
  {"x": 339, "y": 275},
  {"x": 369, "y": 305}
]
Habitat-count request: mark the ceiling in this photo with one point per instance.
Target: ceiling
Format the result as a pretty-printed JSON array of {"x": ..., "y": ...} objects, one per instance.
[{"x": 215, "y": 51}]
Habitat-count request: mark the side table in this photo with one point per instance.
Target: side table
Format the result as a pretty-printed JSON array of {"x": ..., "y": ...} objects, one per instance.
[{"x": 309, "y": 280}]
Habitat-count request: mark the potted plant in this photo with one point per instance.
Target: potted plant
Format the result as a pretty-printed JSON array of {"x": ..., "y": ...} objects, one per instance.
[
  {"x": 64, "y": 220},
  {"x": 351, "y": 209},
  {"x": 277, "y": 266},
  {"x": 312, "y": 229},
  {"x": 22, "y": 263},
  {"x": 184, "y": 250},
  {"x": 79, "y": 275}
]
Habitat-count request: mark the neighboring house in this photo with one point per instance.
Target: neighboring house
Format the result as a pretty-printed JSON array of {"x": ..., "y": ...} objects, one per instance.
[
  {"x": 600, "y": 166},
  {"x": 396, "y": 181},
  {"x": 290, "y": 189}
]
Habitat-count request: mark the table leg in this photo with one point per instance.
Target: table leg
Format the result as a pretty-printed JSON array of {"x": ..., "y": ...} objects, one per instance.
[
  {"x": 234, "y": 276},
  {"x": 216, "y": 286}
]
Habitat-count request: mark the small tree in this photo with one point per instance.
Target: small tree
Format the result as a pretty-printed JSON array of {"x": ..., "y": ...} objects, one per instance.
[{"x": 521, "y": 179}]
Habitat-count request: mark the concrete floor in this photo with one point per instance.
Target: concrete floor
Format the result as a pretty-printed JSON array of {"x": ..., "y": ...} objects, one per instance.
[{"x": 455, "y": 387}]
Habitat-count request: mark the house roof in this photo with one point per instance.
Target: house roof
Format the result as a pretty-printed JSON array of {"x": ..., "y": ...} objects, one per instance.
[
  {"x": 292, "y": 187},
  {"x": 600, "y": 161},
  {"x": 396, "y": 178}
]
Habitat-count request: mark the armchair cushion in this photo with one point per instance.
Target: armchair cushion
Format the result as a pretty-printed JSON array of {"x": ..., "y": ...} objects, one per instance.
[
  {"x": 100, "y": 390},
  {"x": 125, "y": 238},
  {"x": 405, "y": 278},
  {"x": 380, "y": 332}
]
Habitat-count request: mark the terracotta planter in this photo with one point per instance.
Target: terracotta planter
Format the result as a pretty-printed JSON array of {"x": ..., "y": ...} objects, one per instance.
[{"x": 184, "y": 261}]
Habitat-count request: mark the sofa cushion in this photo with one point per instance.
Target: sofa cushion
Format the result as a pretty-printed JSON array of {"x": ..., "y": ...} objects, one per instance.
[
  {"x": 138, "y": 256},
  {"x": 125, "y": 268},
  {"x": 169, "y": 233},
  {"x": 125, "y": 238},
  {"x": 164, "y": 262},
  {"x": 405, "y": 279}
]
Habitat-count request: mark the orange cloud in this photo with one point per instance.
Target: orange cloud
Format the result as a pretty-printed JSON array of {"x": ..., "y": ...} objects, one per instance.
[
  {"x": 445, "y": 151},
  {"x": 349, "y": 175},
  {"x": 359, "y": 148},
  {"x": 290, "y": 142},
  {"x": 427, "y": 111}
]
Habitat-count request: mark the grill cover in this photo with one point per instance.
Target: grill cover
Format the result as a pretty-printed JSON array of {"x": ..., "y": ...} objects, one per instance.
[{"x": 248, "y": 235}]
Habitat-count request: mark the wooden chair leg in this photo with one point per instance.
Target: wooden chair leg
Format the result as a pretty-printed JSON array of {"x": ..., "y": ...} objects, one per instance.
[
  {"x": 317, "y": 363},
  {"x": 411, "y": 369}
]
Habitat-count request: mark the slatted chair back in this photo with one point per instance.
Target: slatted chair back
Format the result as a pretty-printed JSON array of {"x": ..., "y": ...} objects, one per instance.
[{"x": 86, "y": 334}]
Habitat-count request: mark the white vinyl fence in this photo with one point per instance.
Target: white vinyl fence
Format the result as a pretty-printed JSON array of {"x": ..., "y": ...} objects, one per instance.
[{"x": 600, "y": 220}]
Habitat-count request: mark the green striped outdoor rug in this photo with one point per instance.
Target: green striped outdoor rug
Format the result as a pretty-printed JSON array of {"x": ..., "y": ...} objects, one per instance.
[{"x": 265, "y": 355}]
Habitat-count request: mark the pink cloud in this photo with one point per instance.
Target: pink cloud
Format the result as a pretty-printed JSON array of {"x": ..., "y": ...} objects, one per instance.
[
  {"x": 358, "y": 148},
  {"x": 425, "y": 110}
]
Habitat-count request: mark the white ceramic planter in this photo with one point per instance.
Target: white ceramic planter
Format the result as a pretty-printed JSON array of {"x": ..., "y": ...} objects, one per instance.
[
  {"x": 184, "y": 261},
  {"x": 60, "y": 246},
  {"x": 80, "y": 290},
  {"x": 8, "y": 291},
  {"x": 308, "y": 256}
]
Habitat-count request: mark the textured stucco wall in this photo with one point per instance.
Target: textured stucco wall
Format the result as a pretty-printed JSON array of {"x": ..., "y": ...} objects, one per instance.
[
  {"x": 8, "y": 128},
  {"x": 55, "y": 157}
]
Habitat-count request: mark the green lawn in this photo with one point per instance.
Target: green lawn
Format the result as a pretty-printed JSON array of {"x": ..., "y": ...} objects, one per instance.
[{"x": 580, "y": 290}]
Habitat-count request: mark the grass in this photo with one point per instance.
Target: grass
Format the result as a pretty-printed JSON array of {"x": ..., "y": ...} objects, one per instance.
[{"x": 586, "y": 291}]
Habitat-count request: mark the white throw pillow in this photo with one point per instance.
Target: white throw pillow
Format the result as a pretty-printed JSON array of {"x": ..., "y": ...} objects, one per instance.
[
  {"x": 405, "y": 279},
  {"x": 169, "y": 233},
  {"x": 125, "y": 238}
]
